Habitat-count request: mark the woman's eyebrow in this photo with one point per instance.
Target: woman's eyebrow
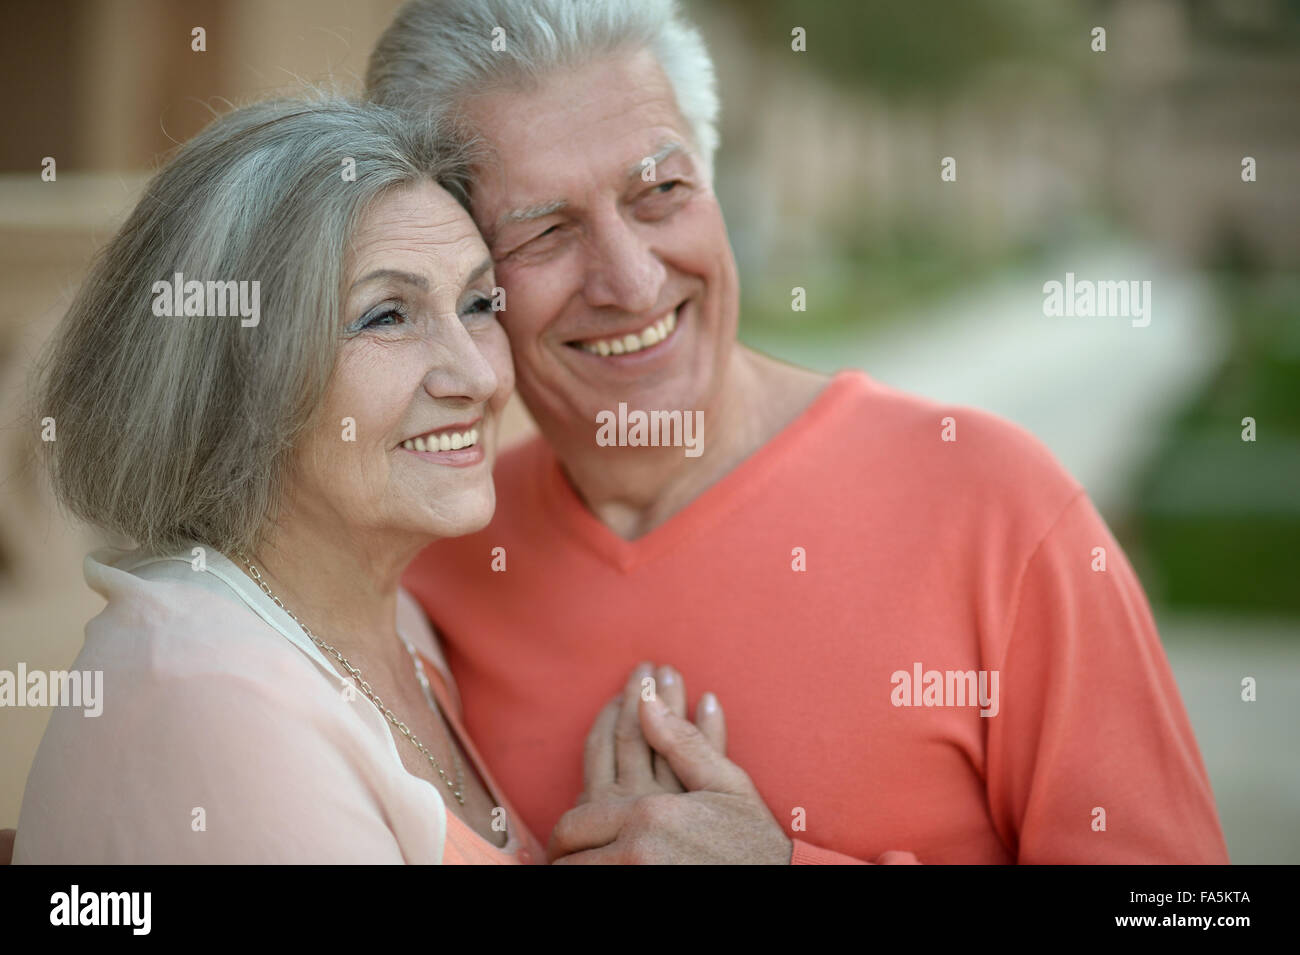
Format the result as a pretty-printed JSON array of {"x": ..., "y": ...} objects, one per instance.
[
  {"x": 410, "y": 278},
  {"x": 479, "y": 271}
]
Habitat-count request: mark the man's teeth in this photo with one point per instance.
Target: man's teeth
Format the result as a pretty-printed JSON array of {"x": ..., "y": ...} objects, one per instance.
[
  {"x": 448, "y": 441},
  {"x": 650, "y": 335}
]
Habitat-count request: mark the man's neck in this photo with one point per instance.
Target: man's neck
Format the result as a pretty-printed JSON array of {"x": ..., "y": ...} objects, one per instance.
[{"x": 634, "y": 490}]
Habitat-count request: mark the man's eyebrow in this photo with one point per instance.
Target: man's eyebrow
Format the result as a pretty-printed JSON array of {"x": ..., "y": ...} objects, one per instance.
[
  {"x": 410, "y": 278},
  {"x": 542, "y": 209},
  {"x": 666, "y": 150},
  {"x": 536, "y": 211}
]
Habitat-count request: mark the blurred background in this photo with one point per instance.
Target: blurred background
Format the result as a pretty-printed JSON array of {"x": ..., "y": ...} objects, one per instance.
[{"x": 1117, "y": 165}]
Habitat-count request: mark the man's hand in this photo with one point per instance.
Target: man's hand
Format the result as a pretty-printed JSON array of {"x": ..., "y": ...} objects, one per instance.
[{"x": 631, "y": 813}]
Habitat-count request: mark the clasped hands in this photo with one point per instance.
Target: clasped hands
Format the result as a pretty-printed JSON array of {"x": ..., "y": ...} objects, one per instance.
[{"x": 658, "y": 789}]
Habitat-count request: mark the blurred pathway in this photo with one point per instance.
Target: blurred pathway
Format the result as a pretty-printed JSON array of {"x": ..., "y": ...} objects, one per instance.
[
  {"x": 1097, "y": 391},
  {"x": 1250, "y": 749}
]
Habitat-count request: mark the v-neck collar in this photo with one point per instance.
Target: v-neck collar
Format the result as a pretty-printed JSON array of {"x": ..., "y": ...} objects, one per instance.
[
  {"x": 717, "y": 500},
  {"x": 515, "y": 839}
]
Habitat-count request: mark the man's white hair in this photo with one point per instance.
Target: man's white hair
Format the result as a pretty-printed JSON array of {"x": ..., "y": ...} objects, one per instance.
[{"x": 438, "y": 53}]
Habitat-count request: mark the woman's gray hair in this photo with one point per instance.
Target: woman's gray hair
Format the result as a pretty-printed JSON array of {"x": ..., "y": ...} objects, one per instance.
[
  {"x": 171, "y": 429},
  {"x": 437, "y": 54}
]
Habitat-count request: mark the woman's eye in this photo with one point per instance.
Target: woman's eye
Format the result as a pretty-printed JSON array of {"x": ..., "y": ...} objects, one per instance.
[
  {"x": 381, "y": 318},
  {"x": 664, "y": 187},
  {"x": 478, "y": 306}
]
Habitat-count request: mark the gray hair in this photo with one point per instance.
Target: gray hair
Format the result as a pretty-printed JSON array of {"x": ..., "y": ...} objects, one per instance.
[
  {"x": 438, "y": 53},
  {"x": 172, "y": 429}
]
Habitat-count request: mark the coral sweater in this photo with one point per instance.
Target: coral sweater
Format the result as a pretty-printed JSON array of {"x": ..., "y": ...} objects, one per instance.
[{"x": 834, "y": 590}]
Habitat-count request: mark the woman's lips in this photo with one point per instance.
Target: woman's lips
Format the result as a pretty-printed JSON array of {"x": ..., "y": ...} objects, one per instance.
[
  {"x": 459, "y": 445},
  {"x": 445, "y": 439},
  {"x": 465, "y": 457}
]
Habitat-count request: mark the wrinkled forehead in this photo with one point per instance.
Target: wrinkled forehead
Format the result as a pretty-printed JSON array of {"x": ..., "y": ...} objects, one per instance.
[
  {"x": 419, "y": 221},
  {"x": 575, "y": 129}
]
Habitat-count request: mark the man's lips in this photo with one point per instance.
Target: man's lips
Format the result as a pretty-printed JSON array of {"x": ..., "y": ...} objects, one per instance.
[{"x": 632, "y": 340}]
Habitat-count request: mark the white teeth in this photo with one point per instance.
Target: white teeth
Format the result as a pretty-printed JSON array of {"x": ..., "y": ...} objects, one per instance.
[
  {"x": 443, "y": 442},
  {"x": 650, "y": 335}
]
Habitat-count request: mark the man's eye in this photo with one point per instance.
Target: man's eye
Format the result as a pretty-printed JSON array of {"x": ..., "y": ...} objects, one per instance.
[
  {"x": 548, "y": 233},
  {"x": 664, "y": 187}
]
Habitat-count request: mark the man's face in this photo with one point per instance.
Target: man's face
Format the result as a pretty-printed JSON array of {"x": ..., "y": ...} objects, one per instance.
[{"x": 617, "y": 288}]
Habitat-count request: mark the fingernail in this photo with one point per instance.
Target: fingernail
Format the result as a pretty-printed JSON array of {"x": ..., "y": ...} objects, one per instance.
[
  {"x": 667, "y": 677},
  {"x": 709, "y": 703}
]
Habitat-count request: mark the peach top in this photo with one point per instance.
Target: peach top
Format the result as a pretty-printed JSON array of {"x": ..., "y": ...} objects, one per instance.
[
  {"x": 854, "y": 546},
  {"x": 225, "y": 738}
]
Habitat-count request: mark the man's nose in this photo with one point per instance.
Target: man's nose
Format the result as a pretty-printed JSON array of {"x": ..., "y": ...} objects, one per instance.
[{"x": 624, "y": 272}]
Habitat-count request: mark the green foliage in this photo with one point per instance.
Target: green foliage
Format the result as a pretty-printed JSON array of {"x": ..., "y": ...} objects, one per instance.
[
  {"x": 1219, "y": 517},
  {"x": 912, "y": 46}
]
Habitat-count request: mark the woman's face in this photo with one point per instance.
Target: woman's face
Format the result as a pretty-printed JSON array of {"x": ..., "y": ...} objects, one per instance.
[{"x": 407, "y": 436}]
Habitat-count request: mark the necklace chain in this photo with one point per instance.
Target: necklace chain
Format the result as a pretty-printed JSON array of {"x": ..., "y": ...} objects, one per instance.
[{"x": 458, "y": 787}]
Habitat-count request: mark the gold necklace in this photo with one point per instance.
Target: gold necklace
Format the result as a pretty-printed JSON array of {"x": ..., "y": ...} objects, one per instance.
[{"x": 457, "y": 788}]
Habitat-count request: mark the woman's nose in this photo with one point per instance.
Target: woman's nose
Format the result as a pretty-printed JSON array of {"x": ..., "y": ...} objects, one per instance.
[{"x": 460, "y": 369}]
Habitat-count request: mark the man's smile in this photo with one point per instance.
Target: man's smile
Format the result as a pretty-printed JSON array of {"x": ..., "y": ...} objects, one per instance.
[{"x": 646, "y": 338}]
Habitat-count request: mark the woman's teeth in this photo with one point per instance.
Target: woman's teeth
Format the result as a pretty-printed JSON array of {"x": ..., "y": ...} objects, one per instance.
[
  {"x": 447, "y": 441},
  {"x": 650, "y": 335}
]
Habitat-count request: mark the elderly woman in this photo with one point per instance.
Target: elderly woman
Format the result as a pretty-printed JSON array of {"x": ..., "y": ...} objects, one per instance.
[{"x": 281, "y": 380}]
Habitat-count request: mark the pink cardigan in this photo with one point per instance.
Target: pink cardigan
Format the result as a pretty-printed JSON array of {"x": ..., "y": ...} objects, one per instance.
[{"x": 224, "y": 738}]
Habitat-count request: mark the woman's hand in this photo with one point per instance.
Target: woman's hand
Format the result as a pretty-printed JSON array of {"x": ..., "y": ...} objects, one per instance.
[
  {"x": 659, "y": 789},
  {"x": 618, "y": 763}
]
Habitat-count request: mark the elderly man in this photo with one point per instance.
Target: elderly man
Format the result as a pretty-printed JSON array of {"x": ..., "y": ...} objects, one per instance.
[{"x": 901, "y": 605}]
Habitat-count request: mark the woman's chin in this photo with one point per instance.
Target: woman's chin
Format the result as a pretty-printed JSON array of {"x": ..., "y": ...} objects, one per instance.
[{"x": 466, "y": 516}]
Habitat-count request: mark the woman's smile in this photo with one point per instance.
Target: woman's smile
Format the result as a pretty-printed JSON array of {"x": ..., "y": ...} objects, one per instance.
[{"x": 459, "y": 445}]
